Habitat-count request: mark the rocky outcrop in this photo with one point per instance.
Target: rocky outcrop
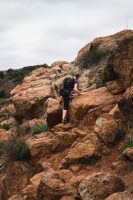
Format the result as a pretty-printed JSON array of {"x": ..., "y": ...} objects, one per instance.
[
  {"x": 85, "y": 150},
  {"x": 126, "y": 104},
  {"x": 4, "y": 135},
  {"x": 55, "y": 185},
  {"x": 54, "y": 112},
  {"x": 29, "y": 97},
  {"x": 48, "y": 142},
  {"x": 126, "y": 195},
  {"x": 98, "y": 186},
  {"x": 107, "y": 129},
  {"x": 128, "y": 153},
  {"x": 86, "y": 108},
  {"x": 109, "y": 58},
  {"x": 74, "y": 160}
]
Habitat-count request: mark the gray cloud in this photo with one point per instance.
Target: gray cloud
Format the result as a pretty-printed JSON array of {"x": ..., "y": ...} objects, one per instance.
[{"x": 42, "y": 31}]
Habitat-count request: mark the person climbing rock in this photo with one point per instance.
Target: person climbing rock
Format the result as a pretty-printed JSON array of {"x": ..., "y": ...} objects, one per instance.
[{"x": 71, "y": 83}]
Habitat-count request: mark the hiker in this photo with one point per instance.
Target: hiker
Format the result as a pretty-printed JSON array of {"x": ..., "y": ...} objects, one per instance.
[{"x": 70, "y": 84}]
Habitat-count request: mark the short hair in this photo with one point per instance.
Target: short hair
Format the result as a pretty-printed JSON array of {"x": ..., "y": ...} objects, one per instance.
[{"x": 77, "y": 75}]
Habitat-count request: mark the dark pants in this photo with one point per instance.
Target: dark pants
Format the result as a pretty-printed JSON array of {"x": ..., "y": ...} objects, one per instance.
[{"x": 66, "y": 99}]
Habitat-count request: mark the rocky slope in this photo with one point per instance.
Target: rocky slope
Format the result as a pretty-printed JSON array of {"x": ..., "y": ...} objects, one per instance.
[{"x": 89, "y": 158}]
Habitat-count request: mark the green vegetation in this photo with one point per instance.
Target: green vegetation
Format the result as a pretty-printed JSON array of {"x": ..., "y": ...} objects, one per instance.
[
  {"x": 128, "y": 143},
  {"x": 2, "y": 93},
  {"x": 5, "y": 126},
  {"x": 91, "y": 161},
  {"x": 17, "y": 149},
  {"x": 39, "y": 128},
  {"x": 19, "y": 74},
  {"x": 3, "y": 101},
  {"x": 91, "y": 57}
]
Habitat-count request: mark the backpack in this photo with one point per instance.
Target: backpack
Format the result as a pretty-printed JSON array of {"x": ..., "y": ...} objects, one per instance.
[{"x": 68, "y": 83}]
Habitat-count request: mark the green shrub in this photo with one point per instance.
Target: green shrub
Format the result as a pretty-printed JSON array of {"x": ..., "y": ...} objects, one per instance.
[
  {"x": 3, "y": 101},
  {"x": 128, "y": 143},
  {"x": 39, "y": 128},
  {"x": 91, "y": 161},
  {"x": 5, "y": 126},
  {"x": 2, "y": 93},
  {"x": 17, "y": 149},
  {"x": 91, "y": 57}
]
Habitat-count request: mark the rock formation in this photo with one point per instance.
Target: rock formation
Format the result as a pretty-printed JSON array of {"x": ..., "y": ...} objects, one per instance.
[{"x": 89, "y": 158}]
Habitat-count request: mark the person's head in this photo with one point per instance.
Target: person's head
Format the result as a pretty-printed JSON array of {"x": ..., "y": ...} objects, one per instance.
[{"x": 77, "y": 76}]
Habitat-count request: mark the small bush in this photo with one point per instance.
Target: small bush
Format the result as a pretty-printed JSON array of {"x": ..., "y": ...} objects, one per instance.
[
  {"x": 5, "y": 126},
  {"x": 39, "y": 128},
  {"x": 3, "y": 101},
  {"x": 91, "y": 161},
  {"x": 2, "y": 93},
  {"x": 128, "y": 143},
  {"x": 91, "y": 57},
  {"x": 17, "y": 149}
]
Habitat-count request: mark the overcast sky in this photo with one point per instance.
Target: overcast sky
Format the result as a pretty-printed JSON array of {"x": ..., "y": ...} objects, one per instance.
[{"x": 43, "y": 31}]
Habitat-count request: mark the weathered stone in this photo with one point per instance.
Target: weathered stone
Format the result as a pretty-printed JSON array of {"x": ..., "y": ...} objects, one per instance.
[
  {"x": 128, "y": 153},
  {"x": 34, "y": 90},
  {"x": 54, "y": 112},
  {"x": 16, "y": 197},
  {"x": 114, "y": 87},
  {"x": 126, "y": 104},
  {"x": 55, "y": 185},
  {"x": 82, "y": 151},
  {"x": 107, "y": 129},
  {"x": 126, "y": 195},
  {"x": 4, "y": 135},
  {"x": 90, "y": 100},
  {"x": 29, "y": 193},
  {"x": 112, "y": 55},
  {"x": 42, "y": 146},
  {"x": 98, "y": 186}
]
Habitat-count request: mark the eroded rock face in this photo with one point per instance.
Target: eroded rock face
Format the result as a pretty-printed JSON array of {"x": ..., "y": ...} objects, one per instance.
[
  {"x": 47, "y": 143},
  {"x": 82, "y": 151},
  {"x": 15, "y": 179},
  {"x": 126, "y": 195},
  {"x": 112, "y": 55},
  {"x": 91, "y": 100},
  {"x": 128, "y": 153},
  {"x": 54, "y": 112},
  {"x": 4, "y": 135},
  {"x": 32, "y": 93},
  {"x": 55, "y": 185},
  {"x": 107, "y": 129},
  {"x": 98, "y": 186},
  {"x": 126, "y": 104}
]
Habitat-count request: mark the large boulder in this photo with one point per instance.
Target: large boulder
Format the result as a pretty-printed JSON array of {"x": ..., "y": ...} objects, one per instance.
[
  {"x": 109, "y": 58},
  {"x": 4, "y": 135},
  {"x": 93, "y": 101},
  {"x": 128, "y": 153},
  {"x": 126, "y": 104},
  {"x": 107, "y": 129},
  {"x": 56, "y": 184},
  {"x": 126, "y": 195},
  {"x": 29, "y": 97},
  {"x": 98, "y": 186},
  {"x": 48, "y": 143},
  {"x": 85, "y": 150},
  {"x": 54, "y": 112}
]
